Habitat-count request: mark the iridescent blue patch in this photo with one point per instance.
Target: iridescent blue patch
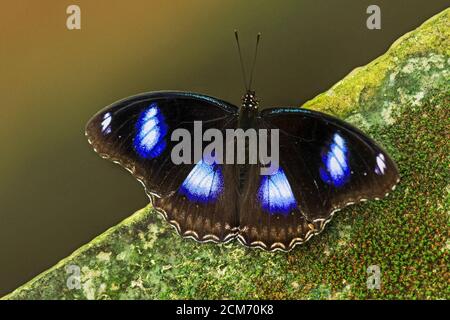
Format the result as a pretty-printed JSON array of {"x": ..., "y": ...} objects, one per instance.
[
  {"x": 203, "y": 184},
  {"x": 275, "y": 194},
  {"x": 335, "y": 170},
  {"x": 151, "y": 131}
]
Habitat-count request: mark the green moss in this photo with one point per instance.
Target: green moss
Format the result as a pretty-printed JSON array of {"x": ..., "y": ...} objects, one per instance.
[
  {"x": 402, "y": 100},
  {"x": 346, "y": 95}
]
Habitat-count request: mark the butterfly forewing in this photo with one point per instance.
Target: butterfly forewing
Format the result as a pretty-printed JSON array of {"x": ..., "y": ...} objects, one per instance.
[
  {"x": 330, "y": 163},
  {"x": 136, "y": 133}
]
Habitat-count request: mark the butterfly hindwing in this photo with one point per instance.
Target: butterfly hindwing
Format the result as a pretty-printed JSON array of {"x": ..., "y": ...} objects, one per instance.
[
  {"x": 205, "y": 205},
  {"x": 269, "y": 215}
]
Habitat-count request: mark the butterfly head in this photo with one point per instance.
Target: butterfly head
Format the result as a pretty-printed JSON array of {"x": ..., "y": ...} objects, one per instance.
[{"x": 249, "y": 100}]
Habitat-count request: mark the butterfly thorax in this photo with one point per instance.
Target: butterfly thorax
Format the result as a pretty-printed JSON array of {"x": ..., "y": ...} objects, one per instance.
[
  {"x": 249, "y": 110},
  {"x": 249, "y": 100}
]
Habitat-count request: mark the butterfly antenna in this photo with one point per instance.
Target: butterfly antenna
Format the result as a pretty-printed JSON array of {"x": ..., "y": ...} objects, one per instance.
[
  {"x": 254, "y": 60},
  {"x": 240, "y": 59}
]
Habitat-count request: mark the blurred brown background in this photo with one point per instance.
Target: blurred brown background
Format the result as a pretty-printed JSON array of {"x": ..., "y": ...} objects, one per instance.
[{"x": 55, "y": 192}]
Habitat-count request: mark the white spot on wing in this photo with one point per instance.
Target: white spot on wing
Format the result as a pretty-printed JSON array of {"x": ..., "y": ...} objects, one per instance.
[
  {"x": 381, "y": 164},
  {"x": 106, "y": 123}
]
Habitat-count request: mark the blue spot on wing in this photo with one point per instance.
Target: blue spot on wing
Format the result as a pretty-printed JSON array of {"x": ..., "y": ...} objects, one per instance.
[
  {"x": 151, "y": 131},
  {"x": 275, "y": 194},
  {"x": 335, "y": 170},
  {"x": 203, "y": 184}
]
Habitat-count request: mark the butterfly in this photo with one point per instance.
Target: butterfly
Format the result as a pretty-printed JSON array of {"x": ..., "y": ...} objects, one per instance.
[{"x": 325, "y": 164}]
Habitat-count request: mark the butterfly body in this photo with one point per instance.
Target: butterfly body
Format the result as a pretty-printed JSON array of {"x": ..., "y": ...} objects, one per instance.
[{"x": 325, "y": 164}]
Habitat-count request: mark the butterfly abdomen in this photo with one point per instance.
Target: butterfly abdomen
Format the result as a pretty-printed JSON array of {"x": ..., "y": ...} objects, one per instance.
[{"x": 247, "y": 120}]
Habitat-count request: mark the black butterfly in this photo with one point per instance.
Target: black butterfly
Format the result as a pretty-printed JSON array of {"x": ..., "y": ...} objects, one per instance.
[{"x": 325, "y": 164}]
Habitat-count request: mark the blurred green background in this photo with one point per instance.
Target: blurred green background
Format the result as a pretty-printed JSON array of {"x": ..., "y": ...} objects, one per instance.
[{"x": 55, "y": 192}]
